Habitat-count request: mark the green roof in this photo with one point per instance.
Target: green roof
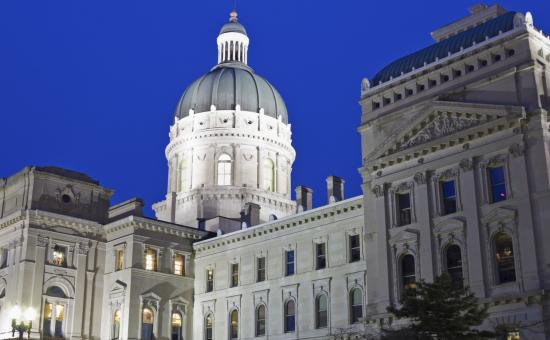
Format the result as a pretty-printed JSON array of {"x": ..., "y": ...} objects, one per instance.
[{"x": 442, "y": 49}]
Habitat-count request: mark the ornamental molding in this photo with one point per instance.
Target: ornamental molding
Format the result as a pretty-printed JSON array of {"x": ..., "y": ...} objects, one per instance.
[
  {"x": 420, "y": 178},
  {"x": 516, "y": 150},
  {"x": 466, "y": 165},
  {"x": 378, "y": 190},
  {"x": 493, "y": 161},
  {"x": 42, "y": 241},
  {"x": 445, "y": 175}
]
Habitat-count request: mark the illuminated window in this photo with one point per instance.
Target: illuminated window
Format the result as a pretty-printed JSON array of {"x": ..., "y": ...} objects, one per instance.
[
  {"x": 454, "y": 264},
  {"x": 208, "y": 329},
  {"x": 116, "y": 325},
  {"x": 356, "y": 305},
  {"x": 119, "y": 259},
  {"x": 179, "y": 265},
  {"x": 234, "y": 274},
  {"x": 261, "y": 269},
  {"x": 497, "y": 184},
  {"x": 59, "y": 256},
  {"x": 504, "y": 256},
  {"x": 354, "y": 248},
  {"x": 59, "y": 317},
  {"x": 209, "y": 280},
  {"x": 176, "y": 326},
  {"x": 408, "y": 272},
  {"x": 224, "y": 170},
  {"x": 234, "y": 326},
  {"x": 290, "y": 316},
  {"x": 321, "y": 311},
  {"x": 513, "y": 335},
  {"x": 147, "y": 324},
  {"x": 269, "y": 175},
  {"x": 260, "y": 320},
  {"x": 151, "y": 259},
  {"x": 47, "y": 324}
]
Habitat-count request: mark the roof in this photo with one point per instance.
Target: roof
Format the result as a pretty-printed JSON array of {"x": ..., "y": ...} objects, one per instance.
[
  {"x": 442, "y": 49},
  {"x": 233, "y": 27}
]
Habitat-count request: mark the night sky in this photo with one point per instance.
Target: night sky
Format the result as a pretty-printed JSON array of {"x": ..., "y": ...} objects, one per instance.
[{"x": 92, "y": 85}]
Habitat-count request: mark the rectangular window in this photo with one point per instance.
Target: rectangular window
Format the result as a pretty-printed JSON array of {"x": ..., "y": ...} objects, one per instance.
[
  {"x": 404, "y": 208},
  {"x": 209, "y": 280},
  {"x": 448, "y": 193},
  {"x": 234, "y": 274},
  {"x": 321, "y": 255},
  {"x": 119, "y": 265},
  {"x": 59, "y": 317},
  {"x": 497, "y": 184},
  {"x": 261, "y": 269},
  {"x": 179, "y": 265},
  {"x": 289, "y": 262},
  {"x": 354, "y": 248},
  {"x": 47, "y": 324},
  {"x": 151, "y": 259},
  {"x": 59, "y": 256}
]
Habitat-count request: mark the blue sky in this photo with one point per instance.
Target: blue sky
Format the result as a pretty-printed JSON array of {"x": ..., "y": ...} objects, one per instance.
[{"x": 92, "y": 85}]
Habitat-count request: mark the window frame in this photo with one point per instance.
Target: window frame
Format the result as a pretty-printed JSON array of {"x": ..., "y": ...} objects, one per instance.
[
  {"x": 156, "y": 258},
  {"x": 402, "y": 276},
  {"x": 287, "y": 315},
  {"x": 232, "y": 328},
  {"x": 209, "y": 283},
  {"x": 461, "y": 266},
  {"x": 264, "y": 270},
  {"x": 268, "y": 167},
  {"x": 257, "y": 320},
  {"x": 353, "y": 317},
  {"x": 234, "y": 275},
  {"x": 210, "y": 317},
  {"x": 227, "y": 176},
  {"x": 321, "y": 260},
  {"x": 497, "y": 272},
  {"x": 351, "y": 258},
  {"x": 286, "y": 262},
  {"x": 183, "y": 263},
  {"x": 491, "y": 185},
  {"x": 318, "y": 311}
]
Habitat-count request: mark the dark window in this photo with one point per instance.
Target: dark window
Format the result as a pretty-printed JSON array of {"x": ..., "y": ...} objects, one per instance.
[
  {"x": 444, "y": 78},
  {"x": 409, "y": 92},
  {"x": 234, "y": 327},
  {"x": 209, "y": 335},
  {"x": 354, "y": 248},
  {"x": 408, "y": 272},
  {"x": 386, "y": 101},
  {"x": 504, "y": 253},
  {"x": 290, "y": 316},
  {"x": 497, "y": 184},
  {"x": 457, "y": 73},
  {"x": 209, "y": 280},
  {"x": 321, "y": 255},
  {"x": 404, "y": 208},
  {"x": 420, "y": 87},
  {"x": 321, "y": 311},
  {"x": 448, "y": 193},
  {"x": 375, "y": 105},
  {"x": 470, "y": 68},
  {"x": 432, "y": 83},
  {"x": 234, "y": 274},
  {"x": 4, "y": 258},
  {"x": 289, "y": 262},
  {"x": 510, "y": 52},
  {"x": 496, "y": 57},
  {"x": 261, "y": 269},
  {"x": 482, "y": 63},
  {"x": 454, "y": 264},
  {"x": 356, "y": 305},
  {"x": 260, "y": 320},
  {"x": 397, "y": 96}
]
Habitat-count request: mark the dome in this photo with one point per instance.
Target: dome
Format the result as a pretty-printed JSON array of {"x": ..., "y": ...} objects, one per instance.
[
  {"x": 227, "y": 85},
  {"x": 233, "y": 27}
]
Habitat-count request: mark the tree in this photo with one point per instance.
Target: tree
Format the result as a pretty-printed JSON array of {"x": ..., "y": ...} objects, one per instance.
[{"x": 440, "y": 310}]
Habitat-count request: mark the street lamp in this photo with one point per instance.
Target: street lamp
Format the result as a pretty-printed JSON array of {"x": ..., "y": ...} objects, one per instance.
[{"x": 21, "y": 321}]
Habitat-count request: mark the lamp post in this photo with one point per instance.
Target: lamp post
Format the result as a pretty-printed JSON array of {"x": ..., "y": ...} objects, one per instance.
[{"x": 21, "y": 321}]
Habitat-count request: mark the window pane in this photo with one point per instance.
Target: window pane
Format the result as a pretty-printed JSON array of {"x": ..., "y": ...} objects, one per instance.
[
  {"x": 260, "y": 321},
  {"x": 290, "y": 316},
  {"x": 269, "y": 175},
  {"x": 234, "y": 275},
  {"x": 408, "y": 272},
  {"x": 209, "y": 280},
  {"x": 59, "y": 256},
  {"x": 454, "y": 264},
  {"x": 119, "y": 259},
  {"x": 179, "y": 261},
  {"x": 261, "y": 269},
  {"x": 224, "y": 170},
  {"x": 290, "y": 262},
  {"x": 505, "y": 258},
  {"x": 234, "y": 328},
  {"x": 404, "y": 208},
  {"x": 48, "y": 313},
  {"x": 356, "y": 304},
  {"x": 497, "y": 184},
  {"x": 321, "y": 311},
  {"x": 208, "y": 332},
  {"x": 448, "y": 192},
  {"x": 150, "y": 259},
  {"x": 355, "y": 248},
  {"x": 321, "y": 255},
  {"x": 116, "y": 324}
]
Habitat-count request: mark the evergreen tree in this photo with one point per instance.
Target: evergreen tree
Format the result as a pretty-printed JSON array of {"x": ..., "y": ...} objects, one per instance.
[{"x": 442, "y": 310}]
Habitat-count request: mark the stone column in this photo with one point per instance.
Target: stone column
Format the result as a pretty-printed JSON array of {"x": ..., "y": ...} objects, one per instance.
[
  {"x": 422, "y": 212},
  {"x": 80, "y": 255},
  {"x": 38, "y": 278}
]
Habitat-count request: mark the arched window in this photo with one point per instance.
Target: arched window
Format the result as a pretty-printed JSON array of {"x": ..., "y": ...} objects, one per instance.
[
  {"x": 116, "y": 325},
  {"x": 290, "y": 316},
  {"x": 321, "y": 311},
  {"x": 176, "y": 324},
  {"x": 208, "y": 328},
  {"x": 260, "y": 320},
  {"x": 224, "y": 170},
  {"x": 147, "y": 324},
  {"x": 55, "y": 291},
  {"x": 408, "y": 272},
  {"x": 182, "y": 175},
  {"x": 454, "y": 264},
  {"x": 269, "y": 175},
  {"x": 234, "y": 325},
  {"x": 356, "y": 305},
  {"x": 504, "y": 258}
]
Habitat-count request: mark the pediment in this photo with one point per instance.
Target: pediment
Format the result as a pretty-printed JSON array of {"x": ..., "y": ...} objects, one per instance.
[
  {"x": 403, "y": 236},
  {"x": 449, "y": 226},
  {"x": 501, "y": 215}
]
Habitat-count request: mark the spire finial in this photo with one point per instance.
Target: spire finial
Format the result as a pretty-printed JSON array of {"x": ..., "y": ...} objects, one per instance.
[{"x": 233, "y": 16}]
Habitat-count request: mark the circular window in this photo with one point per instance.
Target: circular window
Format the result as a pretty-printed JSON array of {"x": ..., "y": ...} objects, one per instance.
[{"x": 66, "y": 198}]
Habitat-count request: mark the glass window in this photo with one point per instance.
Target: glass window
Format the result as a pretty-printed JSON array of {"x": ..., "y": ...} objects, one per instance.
[
  {"x": 448, "y": 194},
  {"x": 208, "y": 333},
  {"x": 321, "y": 255},
  {"x": 513, "y": 335},
  {"x": 497, "y": 184},
  {"x": 147, "y": 324},
  {"x": 404, "y": 209},
  {"x": 504, "y": 254},
  {"x": 116, "y": 325},
  {"x": 176, "y": 324},
  {"x": 408, "y": 272},
  {"x": 179, "y": 264},
  {"x": 59, "y": 317},
  {"x": 260, "y": 320},
  {"x": 269, "y": 175},
  {"x": 321, "y": 311},
  {"x": 47, "y": 324},
  {"x": 289, "y": 254},
  {"x": 59, "y": 256},
  {"x": 290, "y": 316},
  {"x": 454, "y": 264},
  {"x": 234, "y": 274},
  {"x": 224, "y": 170},
  {"x": 234, "y": 326},
  {"x": 354, "y": 248},
  {"x": 209, "y": 280},
  {"x": 119, "y": 259},
  {"x": 151, "y": 259},
  {"x": 261, "y": 269},
  {"x": 182, "y": 173},
  {"x": 356, "y": 303}
]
